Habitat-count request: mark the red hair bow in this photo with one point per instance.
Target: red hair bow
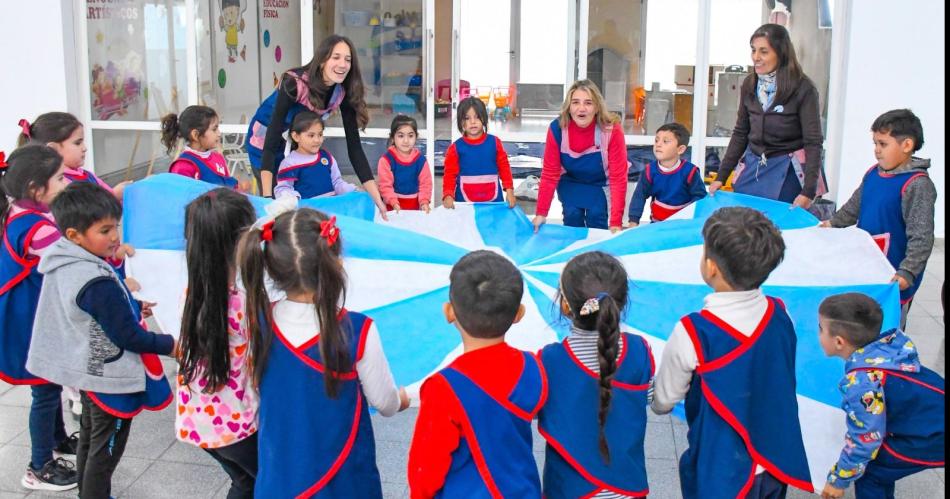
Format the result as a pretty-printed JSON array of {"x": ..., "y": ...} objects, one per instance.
[
  {"x": 329, "y": 231},
  {"x": 267, "y": 231},
  {"x": 3, "y": 160},
  {"x": 25, "y": 126}
]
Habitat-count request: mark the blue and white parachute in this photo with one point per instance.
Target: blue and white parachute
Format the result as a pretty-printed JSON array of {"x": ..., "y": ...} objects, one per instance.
[{"x": 398, "y": 275}]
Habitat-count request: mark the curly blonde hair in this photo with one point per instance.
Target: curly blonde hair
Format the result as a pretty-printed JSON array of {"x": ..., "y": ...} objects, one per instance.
[{"x": 603, "y": 116}]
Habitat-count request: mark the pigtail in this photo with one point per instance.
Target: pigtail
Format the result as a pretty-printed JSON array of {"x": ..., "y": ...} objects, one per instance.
[
  {"x": 257, "y": 310},
  {"x": 330, "y": 290},
  {"x": 25, "y": 134},
  {"x": 4, "y": 200},
  {"x": 170, "y": 131},
  {"x": 608, "y": 327}
]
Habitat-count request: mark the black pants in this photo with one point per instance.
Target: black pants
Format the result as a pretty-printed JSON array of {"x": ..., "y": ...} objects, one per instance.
[
  {"x": 766, "y": 486},
  {"x": 239, "y": 461},
  {"x": 102, "y": 439}
]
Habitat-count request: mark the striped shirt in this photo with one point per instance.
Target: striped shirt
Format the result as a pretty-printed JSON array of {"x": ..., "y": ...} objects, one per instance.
[
  {"x": 584, "y": 345},
  {"x": 46, "y": 235}
]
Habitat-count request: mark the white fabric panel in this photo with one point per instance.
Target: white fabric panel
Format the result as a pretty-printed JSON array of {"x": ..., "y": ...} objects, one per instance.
[
  {"x": 818, "y": 256},
  {"x": 166, "y": 288},
  {"x": 375, "y": 283},
  {"x": 456, "y": 226}
]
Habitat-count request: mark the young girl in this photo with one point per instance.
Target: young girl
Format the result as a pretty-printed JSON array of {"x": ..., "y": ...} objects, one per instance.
[
  {"x": 31, "y": 179},
  {"x": 65, "y": 134},
  {"x": 309, "y": 171},
  {"x": 198, "y": 126},
  {"x": 595, "y": 417},
  {"x": 318, "y": 366},
  {"x": 475, "y": 163},
  {"x": 213, "y": 345},
  {"x": 404, "y": 177}
]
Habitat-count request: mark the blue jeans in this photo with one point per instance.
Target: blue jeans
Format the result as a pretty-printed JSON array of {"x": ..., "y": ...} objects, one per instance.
[
  {"x": 46, "y": 423},
  {"x": 879, "y": 477},
  {"x": 582, "y": 217}
]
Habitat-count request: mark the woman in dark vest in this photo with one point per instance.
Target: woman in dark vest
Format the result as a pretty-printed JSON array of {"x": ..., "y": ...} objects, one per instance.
[
  {"x": 777, "y": 138},
  {"x": 330, "y": 82}
]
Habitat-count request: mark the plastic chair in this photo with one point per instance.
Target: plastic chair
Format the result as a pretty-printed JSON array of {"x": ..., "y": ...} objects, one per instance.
[
  {"x": 446, "y": 86},
  {"x": 502, "y": 105}
]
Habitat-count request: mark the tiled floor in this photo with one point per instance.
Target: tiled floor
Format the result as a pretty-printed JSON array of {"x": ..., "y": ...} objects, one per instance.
[{"x": 155, "y": 465}]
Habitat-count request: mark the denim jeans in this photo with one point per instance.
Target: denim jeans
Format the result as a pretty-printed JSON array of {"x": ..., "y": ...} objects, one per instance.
[{"x": 46, "y": 423}]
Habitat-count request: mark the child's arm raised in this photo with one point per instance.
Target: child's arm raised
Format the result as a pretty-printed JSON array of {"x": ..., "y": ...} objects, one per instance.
[{"x": 105, "y": 300}]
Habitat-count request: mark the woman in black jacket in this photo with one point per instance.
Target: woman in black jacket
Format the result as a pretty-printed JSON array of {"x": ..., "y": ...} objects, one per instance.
[
  {"x": 330, "y": 82},
  {"x": 778, "y": 131}
]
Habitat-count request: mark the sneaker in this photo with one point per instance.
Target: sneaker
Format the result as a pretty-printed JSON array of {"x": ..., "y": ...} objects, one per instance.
[
  {"x": 68, "y": 446},
  {"x": 57, "y": 474}
]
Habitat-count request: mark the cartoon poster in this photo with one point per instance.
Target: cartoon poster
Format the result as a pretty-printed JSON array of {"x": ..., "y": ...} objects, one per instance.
[
  {"x": 231, "y": 22},
  {"x": 116, "y": 59}
]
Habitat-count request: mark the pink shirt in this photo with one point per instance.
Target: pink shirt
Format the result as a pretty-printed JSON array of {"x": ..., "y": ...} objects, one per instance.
[
  {"x": 213, "y": 158},
  {"x": 46, "y": 235},
  {"x": 384, "y": 173},
  {"x": 221, "y": 418},
  {"x": 79, "y": 172}
]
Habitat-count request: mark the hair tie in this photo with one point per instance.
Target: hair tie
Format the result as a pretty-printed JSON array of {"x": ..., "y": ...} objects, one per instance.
[
  {"x": 592, "y": 305},
  {"x": 329, "y": 230},
  {"x": 3, "y": 160},
  {"x": 25, "y": 126},
  {"x": 267, "y": 231}
]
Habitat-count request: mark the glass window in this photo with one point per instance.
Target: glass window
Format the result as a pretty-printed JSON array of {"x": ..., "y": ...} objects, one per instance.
[
  {"x": 243, "y": 47},
  {"x": 388, "y": 38},
  {"x": 128, "y": 154},
  {"x": 136, "y": 59}
]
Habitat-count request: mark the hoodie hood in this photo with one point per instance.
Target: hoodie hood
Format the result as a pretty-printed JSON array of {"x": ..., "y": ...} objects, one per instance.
[
  {"x": 64, "y": 252},
  {"x": 893, "y": 350},
  {"x": 916, "y": 164}
]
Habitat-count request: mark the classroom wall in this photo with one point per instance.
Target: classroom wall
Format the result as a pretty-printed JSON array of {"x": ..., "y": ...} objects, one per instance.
[
  {"x": 884, "y": 72},
  {"x": 34, "y": 33}
]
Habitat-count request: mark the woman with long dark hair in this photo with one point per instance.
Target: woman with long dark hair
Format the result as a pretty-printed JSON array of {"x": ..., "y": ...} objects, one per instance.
[
  {"x": 330, "y": 82},
  {"x": 777, "y": 135}
]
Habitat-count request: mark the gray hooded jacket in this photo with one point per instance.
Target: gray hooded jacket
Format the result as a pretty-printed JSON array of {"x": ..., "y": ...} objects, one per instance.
[{"x": 68, "y": 346}]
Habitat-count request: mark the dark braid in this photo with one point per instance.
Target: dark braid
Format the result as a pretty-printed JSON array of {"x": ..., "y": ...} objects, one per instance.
[
  {"x": 597, "y": 275},
  {"x": 608, "y": 345}
]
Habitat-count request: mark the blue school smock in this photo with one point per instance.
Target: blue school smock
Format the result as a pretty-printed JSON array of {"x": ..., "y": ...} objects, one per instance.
[
  {"x": 495, "y": 457},
  {"x": 209, "y": 172},
  {"x": 670, "y": 190},
  {"x": 311, "y": 179},
  {"x": 478, "y": 179},
  {"x": 406, "y": 180},
  {"x": 583, "y": 183},
  {"x": 311, "y": 445},
  {"x": 729, "y": 436},
  {"x": 87, "y": 176},
  {"x": 573, "y": 465},
  {"x": 20, "y": 284},
  {"x": 882, "y": 217}
]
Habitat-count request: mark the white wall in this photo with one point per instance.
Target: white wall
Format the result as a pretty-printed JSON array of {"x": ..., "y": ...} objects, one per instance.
[
  {"x": 895, "y": 59},
  {"x": 34, "y": 65}
]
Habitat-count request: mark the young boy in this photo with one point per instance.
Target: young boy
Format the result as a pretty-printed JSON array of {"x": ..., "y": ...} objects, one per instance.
[
  {"x": 895, "y": 201},
  {"x": 734, "y": 364},
  {"x": 87, "y": 333},
  {"x": 672, "y": 182},
  {"x": 894, "y": 405},
  {"x": 473, "y": 432}
]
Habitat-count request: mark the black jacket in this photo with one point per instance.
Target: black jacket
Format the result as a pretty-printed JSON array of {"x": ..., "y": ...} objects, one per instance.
[{"x": 796, "y": 125}]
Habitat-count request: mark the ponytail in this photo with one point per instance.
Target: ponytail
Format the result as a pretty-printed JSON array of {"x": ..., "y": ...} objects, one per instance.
[
  {"x": 49, "y": 127},
  {"x": 608, "y": 328},
  {"x": 170, "y": 131},
  {"x": 257, "y": 305}
]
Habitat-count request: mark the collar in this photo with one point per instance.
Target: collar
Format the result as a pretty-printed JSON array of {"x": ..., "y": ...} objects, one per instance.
[
  {"x": 481, "y": 138},
  {"x": 201, "y": 154},
  {"x": 400, "y": 157}
]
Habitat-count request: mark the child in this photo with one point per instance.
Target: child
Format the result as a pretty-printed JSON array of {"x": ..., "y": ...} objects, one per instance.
[
  {"x": 473, "y": 432},
  {"x": 673, "y": 183},
  {"x": 309, "y": 171},
  {"x": 594, "y": 419},
  {"x": 894, "y": 405},
  {"x": 87, "y": 333},
  {"x": 476, "y": 165},
  {"x": 404, "y": 178},
  {"x": 318, "y": 366},
  {"x": 895, "y": 201},
  {"x": 65, "y": 134},
  {"x": 30, "y": 181},
  {"x": 213, "y": 345},
  {"x": 198, "y": 126},
  {"x": 734, "y": 363}
]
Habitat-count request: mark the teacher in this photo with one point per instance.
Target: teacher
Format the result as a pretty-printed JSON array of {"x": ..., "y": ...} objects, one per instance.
[
  {"x": 778, "y": 121},
  {"x": 585, "y": 160},
  {"x": 330, "y": 82}
]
